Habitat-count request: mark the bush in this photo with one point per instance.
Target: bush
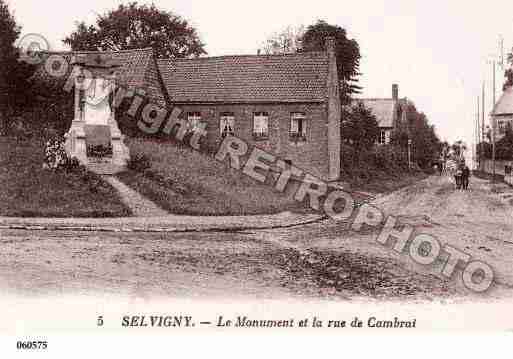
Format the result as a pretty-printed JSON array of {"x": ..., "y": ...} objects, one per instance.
[
  {"x": 55, "y": 154},
  {"x": 77, "y": 174},
  {"x": 380, "y": 163},
  {"x": 139, "y": 163},
  {"x": 57, "y": 159},
  {"x": 391, "y": 159},
  {"x": 73, "y": 165}
]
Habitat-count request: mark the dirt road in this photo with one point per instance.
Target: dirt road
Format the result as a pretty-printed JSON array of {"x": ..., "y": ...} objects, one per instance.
[
  {"x": 324, "y": 259},
  {"x": 478, "y": 221}
]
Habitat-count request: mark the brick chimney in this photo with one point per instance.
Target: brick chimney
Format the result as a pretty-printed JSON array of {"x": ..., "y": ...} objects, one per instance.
[{"x": 395, "y": 92}]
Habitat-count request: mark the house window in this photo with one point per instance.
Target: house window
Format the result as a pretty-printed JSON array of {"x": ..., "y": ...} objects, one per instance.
[
  {"x": 261, "y": 125},
  {"x": 382, "y": 138},
  {"x": 193, "y": 120},
  {"x": 502, "y": 127},
  {"x": 227, "y": 124},
  {"x": 298, "y": 126}
]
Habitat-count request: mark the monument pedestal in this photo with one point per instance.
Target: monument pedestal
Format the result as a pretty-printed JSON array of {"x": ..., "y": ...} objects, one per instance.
[
  {"x": 76, "y": 146},
  {"x": 75, "y": 143},
  {"x": 94, "y": 111},
  {"x": 120, "y": 152}
]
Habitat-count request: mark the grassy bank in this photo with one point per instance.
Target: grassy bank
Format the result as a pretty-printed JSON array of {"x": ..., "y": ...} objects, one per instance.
[
  {"x": 30, "y": 191},
  {"x": 381, "y": 170},
  {"x": 388, "y": 183},
  {"x": 488, "y": 176},
  {"x": 183, "y": 181}
]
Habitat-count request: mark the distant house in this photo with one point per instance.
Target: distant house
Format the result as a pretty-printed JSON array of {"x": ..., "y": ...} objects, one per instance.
[
  {"x": 390, "y": 113},
  {"x": 286, "y": 104},
  {"x": 503, "y": 113}
]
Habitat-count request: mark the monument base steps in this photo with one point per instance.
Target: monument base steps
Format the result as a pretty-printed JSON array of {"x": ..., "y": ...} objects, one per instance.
[{"x": 104, "y": 166}]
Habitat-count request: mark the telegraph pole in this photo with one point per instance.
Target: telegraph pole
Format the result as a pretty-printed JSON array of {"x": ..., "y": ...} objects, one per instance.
[
  {"x": 409, "y": 153},
  {"x": 501, "y": 49},
  {"x": 474, "y": 147},
  {"x": 483, "y": 126},
  {"x": 479, "y": 149},
  {"x": 500, "y": 63},
  {"x": 492, "y": 116}
]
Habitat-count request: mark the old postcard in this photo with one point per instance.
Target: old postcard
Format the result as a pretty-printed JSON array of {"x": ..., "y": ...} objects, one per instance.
[{"x": 192, "y": 171}]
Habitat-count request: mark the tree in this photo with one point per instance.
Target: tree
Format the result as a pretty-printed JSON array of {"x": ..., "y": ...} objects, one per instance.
[
  {"x": 347, "y": 52},
  {"x": 14, "y": 88},
  {"x": 136, "y": 26},
  {"x": 425, "y": 144},
  {"x": 400, "y": 138},
  {"x": 8, "y": 54},
  {"x": 444, "y": 150},
  {"x": 84, "y": 38},
  {"x": 484, "y": 149},
  {"x": 508, "y": 74},
  {"x": 458, "y": 148},
  {"x": 359, "y": 129},
  {"x": 504, "y": 147},
  {"x": 509, "y": 79},
  {"x": 296, "y": 39},
  {"x": 288, "y": 41}
]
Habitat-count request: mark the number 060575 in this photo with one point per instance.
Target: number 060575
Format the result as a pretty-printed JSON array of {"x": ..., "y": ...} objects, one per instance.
[{"x": 32, "y": 345}]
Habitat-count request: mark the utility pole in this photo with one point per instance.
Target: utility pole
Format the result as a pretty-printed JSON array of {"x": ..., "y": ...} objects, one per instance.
[
  {"x": 501, "y": 50},
  {"x": 494, "y": 125},
  {"x": 474, "y": 144},
  {"x": 483, "y": 126},
  {"x": 479, "y": 149},
  {"x": 409, "y": 153},
  {"x": 492, "y": 117}
]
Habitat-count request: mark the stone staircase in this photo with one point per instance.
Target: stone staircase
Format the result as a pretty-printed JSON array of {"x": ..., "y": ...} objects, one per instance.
[{"x": 103, "y": 165}]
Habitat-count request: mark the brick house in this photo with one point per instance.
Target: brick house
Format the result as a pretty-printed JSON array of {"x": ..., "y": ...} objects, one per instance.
[
  {"x": 286, "y": 104},
  {"x": 390, "y": 113}
]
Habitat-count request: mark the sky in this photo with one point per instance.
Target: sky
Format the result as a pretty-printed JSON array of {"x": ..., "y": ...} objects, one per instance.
[{"x": 439, "y": 52}]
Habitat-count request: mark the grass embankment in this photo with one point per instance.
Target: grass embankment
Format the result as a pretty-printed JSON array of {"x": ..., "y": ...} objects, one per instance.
[
  {"x": 386, "y": 183},
  {"x": 488, "y": 176},
  {"x": 183, "y": 181},
  {"x": 27, "y": 190},
  {"x": 382, "y": 170}
]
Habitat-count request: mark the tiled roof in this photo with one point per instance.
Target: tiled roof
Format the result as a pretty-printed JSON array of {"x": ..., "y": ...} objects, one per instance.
[
  {"x": 251, "y": 78},
  {"x": 505, "y": 104},
  {"x": 132, "y": 72},
  {"x": 384, "y": 110}
]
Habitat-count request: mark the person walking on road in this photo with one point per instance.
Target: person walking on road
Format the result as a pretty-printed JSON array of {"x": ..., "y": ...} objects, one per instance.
[
  {"x": 465, "y": 174},
  {"x": 458, "y": 177}
]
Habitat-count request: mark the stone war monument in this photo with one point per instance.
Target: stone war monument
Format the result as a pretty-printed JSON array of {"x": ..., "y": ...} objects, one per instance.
[{"x": 94, "y": 137}]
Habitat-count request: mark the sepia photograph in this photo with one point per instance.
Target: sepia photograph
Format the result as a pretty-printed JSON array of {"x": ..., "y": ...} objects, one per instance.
[{"x": 186, "y": 169}]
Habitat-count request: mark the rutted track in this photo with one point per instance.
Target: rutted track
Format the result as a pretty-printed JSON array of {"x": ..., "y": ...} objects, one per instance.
[{"x": 319, "y": 259}]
